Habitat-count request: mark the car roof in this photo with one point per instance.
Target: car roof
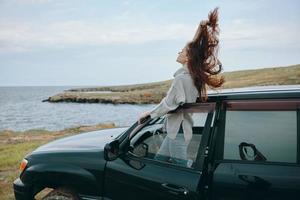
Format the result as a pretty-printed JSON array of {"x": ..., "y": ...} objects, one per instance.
[{"x": 259, "y": 92}]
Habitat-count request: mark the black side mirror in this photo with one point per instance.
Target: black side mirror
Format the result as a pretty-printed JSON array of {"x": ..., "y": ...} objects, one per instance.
[
  {"x": 111, "y": 150},
  {"x": 140, "y": 151}
]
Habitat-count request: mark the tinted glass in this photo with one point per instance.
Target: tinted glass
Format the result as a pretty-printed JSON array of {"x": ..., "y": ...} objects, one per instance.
[{"x": 261, "y": 135}]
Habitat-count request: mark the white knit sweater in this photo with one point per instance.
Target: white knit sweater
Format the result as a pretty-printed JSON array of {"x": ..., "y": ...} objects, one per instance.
[{"x": 181, "y": 91}]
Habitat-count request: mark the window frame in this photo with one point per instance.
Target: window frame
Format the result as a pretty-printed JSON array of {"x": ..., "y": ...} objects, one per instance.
[
  {"x": 210, "y": 108},
  {"x": 256, "y": 105}
]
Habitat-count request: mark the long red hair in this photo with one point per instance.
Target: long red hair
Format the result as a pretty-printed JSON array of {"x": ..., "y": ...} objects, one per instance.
[{"x": 202, "y": 52}]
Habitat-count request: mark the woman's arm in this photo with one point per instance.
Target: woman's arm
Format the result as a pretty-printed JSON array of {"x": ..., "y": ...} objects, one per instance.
[{"x": 175, "y": 97}]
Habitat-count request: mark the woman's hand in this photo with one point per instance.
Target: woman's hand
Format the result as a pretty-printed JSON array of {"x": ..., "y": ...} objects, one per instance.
[{"x": 143, "y": 116}]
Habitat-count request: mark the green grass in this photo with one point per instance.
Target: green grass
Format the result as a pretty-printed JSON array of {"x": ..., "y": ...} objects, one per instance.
[
  {"x": 10, "y": 157},
  {"x": 12, "y": 154},
  {"x": 281, "y": 75},
  {"x": 154, "y": 92},
  {"x": 14, "y": 146},
  {"x": 262, "y": 77}
]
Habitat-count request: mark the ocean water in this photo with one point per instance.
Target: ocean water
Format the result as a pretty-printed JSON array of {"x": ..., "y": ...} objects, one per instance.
[{"x": 21, "y": 108}]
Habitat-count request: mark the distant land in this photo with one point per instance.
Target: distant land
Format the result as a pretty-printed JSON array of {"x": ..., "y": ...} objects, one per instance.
[{"x": 149, "y": 93}]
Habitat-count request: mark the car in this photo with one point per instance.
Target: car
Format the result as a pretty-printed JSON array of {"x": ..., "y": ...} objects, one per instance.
[{"x": 245, "y": 145}]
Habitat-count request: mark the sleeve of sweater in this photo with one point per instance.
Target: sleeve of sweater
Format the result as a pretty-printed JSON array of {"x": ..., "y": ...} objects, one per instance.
[{"x": 175, "y": 97}]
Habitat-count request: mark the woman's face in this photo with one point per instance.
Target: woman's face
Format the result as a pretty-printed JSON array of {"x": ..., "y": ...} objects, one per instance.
[{"x": 182, "y": 56}]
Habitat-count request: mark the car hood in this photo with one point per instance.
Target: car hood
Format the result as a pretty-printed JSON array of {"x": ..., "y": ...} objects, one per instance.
[{"x": 84, "y": 141}]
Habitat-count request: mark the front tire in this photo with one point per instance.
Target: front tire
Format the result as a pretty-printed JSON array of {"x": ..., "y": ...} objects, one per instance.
[{"x": 61, "y": 194}]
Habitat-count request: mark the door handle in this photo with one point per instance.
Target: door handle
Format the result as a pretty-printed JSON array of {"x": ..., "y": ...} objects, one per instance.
[{"x": 175, "y": 189}]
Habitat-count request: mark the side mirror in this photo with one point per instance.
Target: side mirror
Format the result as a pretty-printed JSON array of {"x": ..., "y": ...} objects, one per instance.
[
  {"x": 138, "y": 152},
  {"x": 111, "y": 150},
  {"x": 141, "y": 150}
]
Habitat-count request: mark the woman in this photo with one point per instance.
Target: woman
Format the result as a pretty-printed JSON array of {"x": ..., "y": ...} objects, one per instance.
[{"x": 200, "y": 66}]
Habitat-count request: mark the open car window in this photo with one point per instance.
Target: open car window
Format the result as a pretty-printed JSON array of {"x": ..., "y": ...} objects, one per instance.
[{"x": 160, "y": 147}]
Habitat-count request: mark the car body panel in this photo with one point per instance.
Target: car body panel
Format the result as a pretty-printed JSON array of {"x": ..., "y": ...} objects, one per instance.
[
  {"x": 84, "y": 141},
  {"x": 243, "y": 179},
  {"x": 255, "y": 181},
  {"x": 158, "y": 179},
  {"x": 78, "y": 162},
  {"x": 149, "y": 182}
]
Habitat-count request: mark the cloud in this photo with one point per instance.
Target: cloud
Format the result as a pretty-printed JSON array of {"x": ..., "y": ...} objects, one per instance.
[
  {"x": 32, "y": 1},
  {"x": 237, "y": 35},
  {"x": 245, "y": 34},
  {"x": 73, "y": 33}
]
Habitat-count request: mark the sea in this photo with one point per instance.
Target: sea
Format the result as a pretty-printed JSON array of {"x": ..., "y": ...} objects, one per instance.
[{"x": 21, "y": 109}]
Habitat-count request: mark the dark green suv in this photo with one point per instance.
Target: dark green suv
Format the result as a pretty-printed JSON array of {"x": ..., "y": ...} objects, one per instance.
[{"x": 245, "y": 145}]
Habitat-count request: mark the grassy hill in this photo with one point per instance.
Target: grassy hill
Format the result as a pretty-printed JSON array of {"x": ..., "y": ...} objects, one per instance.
[{"x": 154, "y": 92}]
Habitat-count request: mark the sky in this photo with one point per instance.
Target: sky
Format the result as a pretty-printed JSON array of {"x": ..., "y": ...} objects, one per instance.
[{"x": 117, "y": 42}]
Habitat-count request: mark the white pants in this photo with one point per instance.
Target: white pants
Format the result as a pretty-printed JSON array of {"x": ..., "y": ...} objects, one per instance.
[{"x": 175, "y": 149}]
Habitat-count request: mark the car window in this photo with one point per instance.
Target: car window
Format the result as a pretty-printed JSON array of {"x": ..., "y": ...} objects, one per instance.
[
  {"x": 261, "y": 135},
  {"x": 176, "y": 150}
]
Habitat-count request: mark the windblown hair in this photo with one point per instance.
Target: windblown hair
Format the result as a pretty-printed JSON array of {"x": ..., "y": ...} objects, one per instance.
[{"x": 202, "y": 53}]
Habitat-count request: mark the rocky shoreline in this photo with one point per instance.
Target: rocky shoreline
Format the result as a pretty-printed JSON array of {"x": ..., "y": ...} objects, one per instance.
[
  {"x": 113, "y": 98},
  {"x": 152, "y": 93},
  {"x": 135, "y": 94}
]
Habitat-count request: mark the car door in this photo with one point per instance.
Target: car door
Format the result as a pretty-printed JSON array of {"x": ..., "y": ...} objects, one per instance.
[
  {"x": 257, "y": 151},
  {"x": 157, "y": 175}
]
